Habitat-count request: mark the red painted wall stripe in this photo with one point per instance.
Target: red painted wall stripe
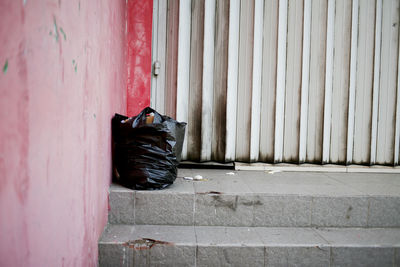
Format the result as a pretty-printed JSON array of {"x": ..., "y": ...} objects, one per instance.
[{"x": 139, "y": 33}]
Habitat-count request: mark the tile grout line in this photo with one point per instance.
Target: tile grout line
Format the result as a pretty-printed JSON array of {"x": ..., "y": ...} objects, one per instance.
[
  {"x": 194, "y": 205},
  {"x": 333, "y": 179},
  {"x": 134, "y": 207},
  {"x": 314, "y": 229},
  {"x": 265, "y": 256},
  {"x": 263, "y": 243},
  {"x": 346, "y": 184},
  {"x": 194, "y": 223},
  {"x": 368, "y": 206},
  {"x": 327, "y": 243},
  {"x": 197, "y": 246},
  {"x": 311, "y": 211}
]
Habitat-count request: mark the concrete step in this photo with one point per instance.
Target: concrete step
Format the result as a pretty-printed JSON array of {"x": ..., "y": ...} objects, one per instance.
[
  {"x": 258, "y": 198},
  {"x": 161, "y": 245}
]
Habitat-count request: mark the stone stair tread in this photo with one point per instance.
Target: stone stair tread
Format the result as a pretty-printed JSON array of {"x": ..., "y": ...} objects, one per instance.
[
  {"x": 253, "y": 236},
  {"x": 258, "y": 198},
  {"x": 281, "y": 183},
  {"x": 164, "y": 245}
]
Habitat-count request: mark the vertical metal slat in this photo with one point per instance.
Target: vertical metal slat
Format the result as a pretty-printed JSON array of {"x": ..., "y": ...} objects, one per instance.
[
  {"x": 377, "y": 63},
  {"x": 280, "y": 81},
  {"x": 317, "y": 81},
  {"x": 196, "y": 81},
  {"x": 183, "y": 66},
  {"x": 397, "y": 132},
  {"x": 341, "y": 77},
  {"x": 305, "y": 76},
  {"x": 231, "y": 98},
  {"x": 269, "y": 59},
  {"x": 328, "y": 82},
  {"x": 171, "y": 57},
  {"x": 293, "y": 81},
  {"x": 352, "y": 88},
  {"x": 208, "y": 80},
  {"x": 220, "y": 80},
  {"x": 243, "y": 120},
  {"x": 388, "y": 83},
  {"x": 364, "y": 83},
  {"x": 256, "y": 90}
]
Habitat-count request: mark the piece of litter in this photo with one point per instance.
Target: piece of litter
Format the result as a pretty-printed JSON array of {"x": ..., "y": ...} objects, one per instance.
[
  {"x": 230, "y": 173},
  {"x": 198, "y": 178},
  {"x": 273, "y": 171}
]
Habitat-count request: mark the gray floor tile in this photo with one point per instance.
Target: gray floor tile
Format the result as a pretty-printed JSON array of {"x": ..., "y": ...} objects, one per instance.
[
  {"x": 377, "y": 189},
  {"x": 371, "y": 178},
  {"x": 225, "y": 210},
  {"x": 225, "y": 184},
  {"x": 384, "y": 212},
  {"x": 172, "y": 256},
  {"x": 122, "y": 207},
  {"x": 298, "y": 178},
  {"x": 283, "y": 211},
  {"x": 111, "y": 255},
  {"x": 363, "y": 257},
  {"x": 227, "y": 236},
  {"x": 359, "y": 237},
  {"x": 339, "y": 211},
  {"x": 169, "y": 209},
  {"x": 289, "y": 236},
  {"x": 209, "y": 256},
  {"x": 297, "y": 256}
]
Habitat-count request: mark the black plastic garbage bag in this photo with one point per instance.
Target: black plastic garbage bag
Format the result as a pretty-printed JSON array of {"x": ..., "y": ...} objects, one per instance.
[{"x": 146, "y": 152}]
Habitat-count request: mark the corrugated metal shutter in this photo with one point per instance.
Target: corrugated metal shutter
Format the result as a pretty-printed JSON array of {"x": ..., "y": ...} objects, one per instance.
[{"x": 281, "y": 81}]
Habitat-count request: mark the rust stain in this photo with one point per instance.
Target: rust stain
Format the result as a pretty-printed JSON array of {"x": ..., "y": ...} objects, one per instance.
[{"x": 145, "y": 243}]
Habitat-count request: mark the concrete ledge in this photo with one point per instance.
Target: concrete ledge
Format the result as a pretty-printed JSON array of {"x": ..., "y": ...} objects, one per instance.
[{"x": 305, "y": 167}]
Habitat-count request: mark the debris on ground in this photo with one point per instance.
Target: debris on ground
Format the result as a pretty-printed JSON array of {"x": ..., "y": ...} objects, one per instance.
[
  {"x": 195, "y": 178},
  {"x": 145, "y": 243},
  {"x": 231, "y": 173},
  {"x": 210, "y": 193},
  {"x": 272, "y": 171}
]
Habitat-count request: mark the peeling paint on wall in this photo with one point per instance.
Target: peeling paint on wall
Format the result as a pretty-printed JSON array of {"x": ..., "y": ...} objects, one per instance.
[
  {"x": 56, "y": 36},
  {"x": 63, "y": 33},
  {"x": 139, "y": 18},
  {"x": 5, "y": 68},
  {"x": 75, "y": 65}
]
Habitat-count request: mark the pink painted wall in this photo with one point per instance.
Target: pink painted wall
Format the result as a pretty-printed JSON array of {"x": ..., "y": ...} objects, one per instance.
[
  {"x": 62, "y": 77},
  {"x": 139, "y": 18}
]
